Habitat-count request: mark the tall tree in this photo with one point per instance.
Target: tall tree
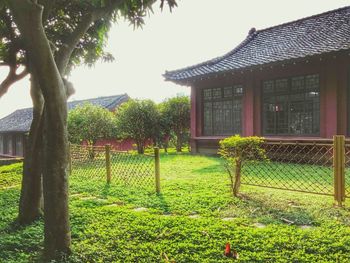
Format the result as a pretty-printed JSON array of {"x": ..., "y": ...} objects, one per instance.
[
  {"x": 48, "y": 60},
  {"x": 177, "y": 113},
  {"x": 138, "y": 120}
]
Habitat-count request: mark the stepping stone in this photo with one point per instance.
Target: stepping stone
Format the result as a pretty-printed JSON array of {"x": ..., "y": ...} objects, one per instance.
[
  {"x": 87, "y": 198},
  {"x": 194, "y": 216},
  {"x": 76, "y": 195},
  {"x": 140, "y": 209},
  {"x": 228, "y": 218},
  {"x": 259, "y": 225},
  {"x": 306, "y": 227}
]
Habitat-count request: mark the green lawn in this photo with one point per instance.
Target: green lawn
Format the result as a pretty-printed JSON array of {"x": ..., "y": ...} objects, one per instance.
[{"x": 190, "y": 221}]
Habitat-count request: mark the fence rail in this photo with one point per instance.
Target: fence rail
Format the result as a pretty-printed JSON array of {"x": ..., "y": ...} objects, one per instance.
[
  {"x": 318, "y": 168},
  {"x": 118, "y": 167}
]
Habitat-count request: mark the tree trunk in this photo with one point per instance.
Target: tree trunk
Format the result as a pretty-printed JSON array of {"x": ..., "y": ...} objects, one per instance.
[
  {"x": 179, "y": 142},
  {"x": 140, "y": 147},
  {"x": 27, "y": 15},
  {"x": 237, "y": 184},
  {"x": 30, "y": 206}
]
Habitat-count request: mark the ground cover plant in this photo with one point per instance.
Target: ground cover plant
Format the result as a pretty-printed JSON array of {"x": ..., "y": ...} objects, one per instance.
[{"x": 190, "y": 221}]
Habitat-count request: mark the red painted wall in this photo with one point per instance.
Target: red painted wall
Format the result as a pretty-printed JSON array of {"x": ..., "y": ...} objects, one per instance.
[{"x": 119, "y": 145}]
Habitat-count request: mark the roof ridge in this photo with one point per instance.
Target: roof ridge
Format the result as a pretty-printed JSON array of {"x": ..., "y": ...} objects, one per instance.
[
  {"x": 101, "y": 97},
  {"x": 303, "y": 18},
  {"x": 219, "y": 58},
  {"x": 247, "y": 52}
]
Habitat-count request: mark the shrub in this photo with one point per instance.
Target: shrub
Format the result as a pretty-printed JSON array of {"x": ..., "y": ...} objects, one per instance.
[{"x": 238, "y": 151}]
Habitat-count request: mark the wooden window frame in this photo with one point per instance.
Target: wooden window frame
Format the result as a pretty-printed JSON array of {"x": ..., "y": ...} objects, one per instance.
[
  {"x": 288, "y": 94},
  {"x": 233, "y": 98}
]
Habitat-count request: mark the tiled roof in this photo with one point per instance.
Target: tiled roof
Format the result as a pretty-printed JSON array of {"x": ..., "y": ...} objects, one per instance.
[
  {"x": 322, "y": 33},
  {"x": 20, "y": 120}
]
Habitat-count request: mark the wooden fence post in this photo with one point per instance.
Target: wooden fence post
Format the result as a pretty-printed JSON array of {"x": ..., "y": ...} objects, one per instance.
[
  {"x": 339, "y": 169},
  {"x": 157, "y": 168},
  {"x": 108, "y": 162}
]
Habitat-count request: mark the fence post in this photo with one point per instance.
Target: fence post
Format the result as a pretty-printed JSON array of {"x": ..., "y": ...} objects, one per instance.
[
  {"x": 339, "y": 168},
  {"x": 157, "y": 168},
  {"x": 108, "y": 162}
]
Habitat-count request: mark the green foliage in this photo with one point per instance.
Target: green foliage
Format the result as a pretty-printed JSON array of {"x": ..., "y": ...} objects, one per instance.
[
  {"x": 175, "y": 118},
  {"x": 138, "y": 120},
  {"x": 237, "y": 151},
  {"x": 242, "y": 148},
  {"x": 89, "y": 122},
  {"x": 190, "y": 221}
]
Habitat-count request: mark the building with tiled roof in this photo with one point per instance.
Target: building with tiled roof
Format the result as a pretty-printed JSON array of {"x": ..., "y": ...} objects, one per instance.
[
  {"x": 290, "y": 81},
  {"x": 15, "y": 126}
]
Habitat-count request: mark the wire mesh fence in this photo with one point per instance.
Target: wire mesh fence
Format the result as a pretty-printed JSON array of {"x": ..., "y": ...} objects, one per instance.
[
  {"x": 304, "y": 167},
  {"x": 103, "y": 164}
]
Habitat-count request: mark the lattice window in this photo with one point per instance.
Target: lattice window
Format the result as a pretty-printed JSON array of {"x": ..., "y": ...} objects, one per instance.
[
  {"x": 208, "y": 118},
  {"x": 216, "y": 93},
  {"x": 207, "y": 94},
  {"x": 222, "y": 110},
  {"x": 227, "y": 92},
  {"x": 292, "y": 106}
]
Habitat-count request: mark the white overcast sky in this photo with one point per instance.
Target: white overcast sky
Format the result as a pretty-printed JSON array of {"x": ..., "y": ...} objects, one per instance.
[{"x": 196, "y": 31}]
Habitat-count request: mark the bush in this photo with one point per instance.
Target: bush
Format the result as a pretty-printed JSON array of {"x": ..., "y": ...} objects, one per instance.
[
  {"x": 138, "y": 120},
  {"x": 238, "y": 151}
]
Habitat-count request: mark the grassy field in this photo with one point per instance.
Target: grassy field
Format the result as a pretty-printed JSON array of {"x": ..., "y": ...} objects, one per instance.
[{"x": 190, "y": 221}]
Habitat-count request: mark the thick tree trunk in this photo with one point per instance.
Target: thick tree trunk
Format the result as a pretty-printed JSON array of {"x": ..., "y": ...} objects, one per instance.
[
  {"x": 27, "y": 16},
  {"x": 30, "y": 207}
]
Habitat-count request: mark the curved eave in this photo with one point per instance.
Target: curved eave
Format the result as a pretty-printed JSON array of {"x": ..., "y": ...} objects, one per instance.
[{"x": 191, "y": 80}]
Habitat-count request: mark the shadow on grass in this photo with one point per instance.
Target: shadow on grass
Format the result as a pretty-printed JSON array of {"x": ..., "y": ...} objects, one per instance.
[
  {"x": 288, "y": 212},
  {"x": 163, "y": 205}
]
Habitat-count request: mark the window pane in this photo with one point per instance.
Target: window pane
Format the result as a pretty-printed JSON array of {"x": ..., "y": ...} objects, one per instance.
[
  {"x": 237, "y": 116},
  {"x": 207, "y": 94},
  {"x": 222, "y": 110},
  {"x": 238, "y": 90},
  {"x": 298, "y": 84},
  {"x": 281, "y": 85},
  {"x": 216, "y": 93},
  {"x": 218, "y": 117},
  {"x": 227, "y": 92},
  {"x": 208, "y": 118},
  {"x": 294, "y": 106},
  {"x": 268, "y": 86}
]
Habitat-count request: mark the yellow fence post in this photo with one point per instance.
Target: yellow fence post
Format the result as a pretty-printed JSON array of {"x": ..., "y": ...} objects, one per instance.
[
  {"x": 108, "y": 162},
  {"x": 339, "y": 169},
  {"x": 157, "y": 168}
]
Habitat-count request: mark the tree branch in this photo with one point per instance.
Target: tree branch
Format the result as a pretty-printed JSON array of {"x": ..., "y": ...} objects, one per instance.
[
  {"x": 64, "y": 54},
  {"x": 11, "y": 78}
]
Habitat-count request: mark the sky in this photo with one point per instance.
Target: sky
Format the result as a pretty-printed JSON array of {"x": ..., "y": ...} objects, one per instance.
[{"x": 197, "y": 30}]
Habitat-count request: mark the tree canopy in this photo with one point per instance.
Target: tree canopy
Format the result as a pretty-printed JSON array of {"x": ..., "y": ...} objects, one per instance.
[
  {"x": 138, "y": 120},
  {"x": 176, "y": 113},
  {"x": 89, "y": 122}
]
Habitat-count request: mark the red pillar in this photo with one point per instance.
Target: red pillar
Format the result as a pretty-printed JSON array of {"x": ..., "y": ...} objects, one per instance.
[
  {"x": 193, "y": 129},
  {"x": 329, "y": 107}
]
